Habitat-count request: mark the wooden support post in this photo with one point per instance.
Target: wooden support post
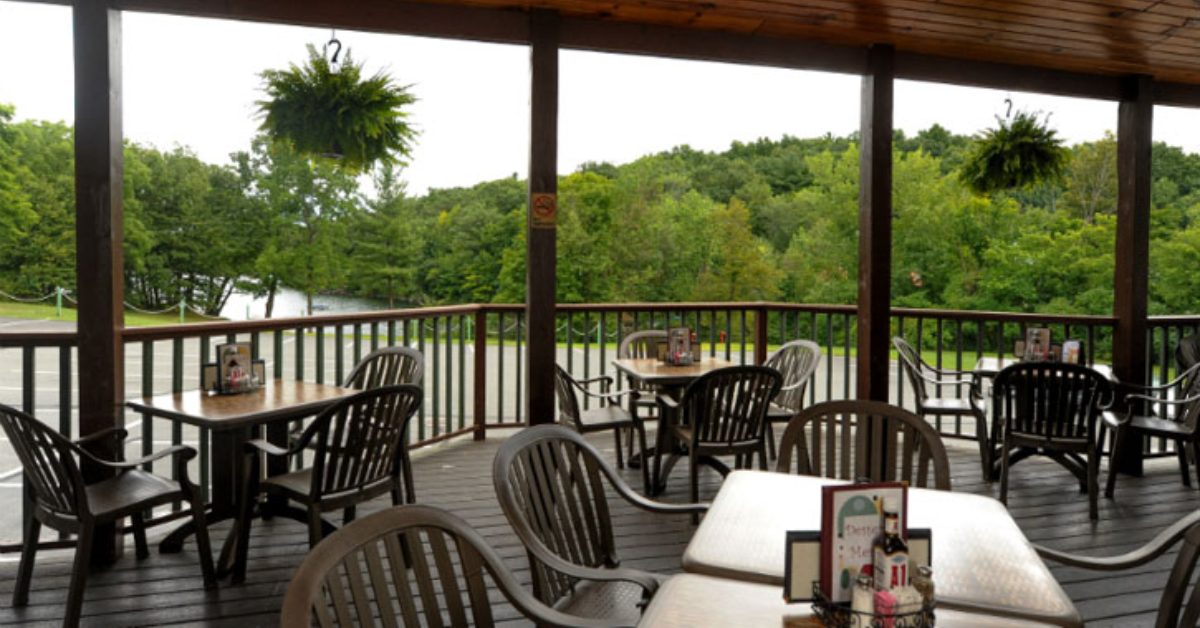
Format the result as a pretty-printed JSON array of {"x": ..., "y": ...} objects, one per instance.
[
  {"x": 1135, "y": 124},
  {"x": 542, "y": 215},
  {"x": 99, "y": 262},
  {"x": 875, "y": 225},
  {"x": 480, "y": 374}
]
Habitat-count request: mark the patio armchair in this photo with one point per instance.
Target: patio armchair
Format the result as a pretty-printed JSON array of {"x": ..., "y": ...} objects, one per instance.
[
  {"x": 927, "y": 381},
  {"x": 1052, "y": 409},
  {"x": 1175, "y": 598},
  {"x": 829, "y": 440},
  {"x": 1178, "y": 421},
  {"x": 550, "y": 482},
  {"x": 386, "y": 366},
  {"x": 60, "y": 499},
  {"x": 411, "y": 566},
  {"x": 723, "y": 412},
  {"x": 354, "y": 443},
  {"x": 608, "y": 416},
  {"x": 796, "y": 361}
]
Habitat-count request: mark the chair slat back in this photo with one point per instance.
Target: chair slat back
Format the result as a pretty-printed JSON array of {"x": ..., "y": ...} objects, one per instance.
[
  {"x": 796, "y": 361},
  {"x": 358, "y": 439},
  {"x": 729, "y": 406},
  {"x": 912, "y": 365},
  {"x": 408, "y": 566},
  {"x": 1172, "y": 612},
  {"x": 387, "y": 366},
  {"x": 830, "y": 440},
  {"x": 641, "y": 344},
  {"x": 1050, "y": 399},
  {"x": 568, "y": 401},
  {"x": 1187, "y": 355},
  {"x": 48, "y": 461},
  {"x": 1189, "y": 414},
  {"x": 550, "y": 485}
]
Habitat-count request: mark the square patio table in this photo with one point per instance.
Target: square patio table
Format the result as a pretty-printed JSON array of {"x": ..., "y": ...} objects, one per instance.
[
  {"x": 693, "y": 601},
  {"x": 669, "y": 379},
  {"x": 233, "y": 420},
  {"x": 982, "y": 562}
]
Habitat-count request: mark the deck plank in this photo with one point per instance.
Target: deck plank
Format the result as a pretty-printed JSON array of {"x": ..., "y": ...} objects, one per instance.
[{"x": 1044, "y": 499}]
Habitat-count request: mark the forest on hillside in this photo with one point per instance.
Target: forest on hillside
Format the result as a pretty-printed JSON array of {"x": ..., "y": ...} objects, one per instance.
[{"x": 768, "y": 219}]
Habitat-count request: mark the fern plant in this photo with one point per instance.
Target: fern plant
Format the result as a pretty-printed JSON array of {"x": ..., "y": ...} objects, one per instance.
[
  {"x": 1020, "y": 152},
  {"x": 334, "y": 112}
]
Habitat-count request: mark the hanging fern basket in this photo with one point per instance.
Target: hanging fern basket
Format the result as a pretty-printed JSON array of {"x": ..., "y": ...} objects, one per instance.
[
  {"x": 1020, "y": 152},
  {"x": 325, "y": 109}
]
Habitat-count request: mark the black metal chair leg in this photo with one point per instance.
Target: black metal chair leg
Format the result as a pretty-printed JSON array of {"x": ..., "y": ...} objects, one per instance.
[{"x": 79, "y": 574}]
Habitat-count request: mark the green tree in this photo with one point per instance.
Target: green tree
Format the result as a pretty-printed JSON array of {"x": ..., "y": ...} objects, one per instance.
[
  {"x": 310, "y": 203},
  {"x": 1092, "y": 179},
  {"x": 387, "y": 245},
  {"x": 740, "y": 267}
]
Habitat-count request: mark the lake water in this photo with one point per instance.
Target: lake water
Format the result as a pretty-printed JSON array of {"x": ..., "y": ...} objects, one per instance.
[{"x": 289, "y": 302}]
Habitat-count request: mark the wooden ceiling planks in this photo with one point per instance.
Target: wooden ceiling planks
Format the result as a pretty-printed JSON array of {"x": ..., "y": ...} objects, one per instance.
[{"x": 1160, "y": 38}]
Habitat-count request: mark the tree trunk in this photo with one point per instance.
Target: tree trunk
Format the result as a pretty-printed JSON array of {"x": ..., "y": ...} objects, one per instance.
[
  {"x": 271, "y": 297},
  {"x": 308, "y": 294}
]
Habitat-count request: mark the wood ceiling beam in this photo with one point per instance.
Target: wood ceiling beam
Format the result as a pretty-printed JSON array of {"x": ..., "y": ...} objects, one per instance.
[{"x": 508, "y": 25}]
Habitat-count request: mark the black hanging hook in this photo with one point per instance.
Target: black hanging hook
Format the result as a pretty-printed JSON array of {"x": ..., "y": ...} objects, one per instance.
[
  {"x": 1007, "y": 114},
  {"x": 337, "y": 50}
]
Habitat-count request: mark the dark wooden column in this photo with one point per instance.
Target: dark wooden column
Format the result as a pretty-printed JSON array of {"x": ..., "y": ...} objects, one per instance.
[
  {"x": 1135, "y": 123},
  {"x": 541, "y": 255},
  {"x": 875, "y": 225},
  {"x": 99, "y": 271}
]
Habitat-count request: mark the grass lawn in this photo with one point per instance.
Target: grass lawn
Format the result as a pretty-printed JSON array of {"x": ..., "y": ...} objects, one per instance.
[{"x": 47, "y": 312}]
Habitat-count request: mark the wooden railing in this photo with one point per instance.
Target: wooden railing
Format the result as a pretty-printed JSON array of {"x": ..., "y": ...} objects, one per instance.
[{"x": 475, "y": 376}]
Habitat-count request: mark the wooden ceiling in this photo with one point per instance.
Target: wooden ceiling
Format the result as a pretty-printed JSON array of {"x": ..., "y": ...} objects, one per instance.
[{"x": 1160, "y": 38}]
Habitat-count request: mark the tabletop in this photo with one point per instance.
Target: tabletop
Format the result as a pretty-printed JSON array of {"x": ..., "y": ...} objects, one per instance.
[
  {"x": 981, "y": 560},
  {"x": 693, "y": 601},
  {"x": 278, "y": 399},
  {"x": 990, "y": 366},
  {"x": 652, "y": 371}
]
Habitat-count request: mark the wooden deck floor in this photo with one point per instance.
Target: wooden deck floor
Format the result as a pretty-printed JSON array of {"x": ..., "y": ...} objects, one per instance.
[{"x": 167, "y": 589}]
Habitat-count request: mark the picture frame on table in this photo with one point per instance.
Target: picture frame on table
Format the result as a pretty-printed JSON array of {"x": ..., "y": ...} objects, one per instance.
[
  {"x": 1072, "y": 352},
  {"x": 851, "y": 518},
  {"x": 235, "y": 368},
  {"x": 1037, "y": 344}
]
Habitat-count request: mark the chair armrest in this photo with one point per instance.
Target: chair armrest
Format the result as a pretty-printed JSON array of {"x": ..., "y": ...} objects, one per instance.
[
  {"x": 606, "y": 380},
  {"x": 1111, "y": 419},
  {"x": 89, "y": 443},
  {"x": 1140, "y": 556},
  {"x": 179, "y": 451},
  {"x": 608, "y": 396},
  {"x": 1160, "y": 400},
  {"x": 109, "y": 432},
  {"x": 667, "y": 402},
  {"x": 262, "y": 445}
]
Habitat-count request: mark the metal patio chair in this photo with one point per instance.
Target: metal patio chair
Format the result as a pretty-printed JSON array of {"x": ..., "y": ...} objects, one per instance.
[
  {"x": 796, "y": 361},
  {"x": 608, "y": 416}
]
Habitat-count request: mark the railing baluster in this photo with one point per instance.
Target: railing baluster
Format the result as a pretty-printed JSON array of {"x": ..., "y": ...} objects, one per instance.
[
  {"x": 520, "y": 396},
  {"x": 437, "y": 428},
  {"x": 299, "y": 363},
  {"x": 339, "y": 354},
  {"x": 500, "y": 367},
  {"x": 147, "y": 391},
  {"x": 421, "y": 347},
  {"x": 320, "y": 357}
]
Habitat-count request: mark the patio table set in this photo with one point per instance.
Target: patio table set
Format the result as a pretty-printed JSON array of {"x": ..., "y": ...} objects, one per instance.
[{"x": 552, "y": 484}]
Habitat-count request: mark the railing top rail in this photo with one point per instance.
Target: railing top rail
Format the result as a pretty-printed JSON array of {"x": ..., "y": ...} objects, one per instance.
[
  {"x": 327, "y": 320},
  {"x": 1015, "y": 317},
  {"x": 1174, "y": 319},
  {"x": 164, "y": 332},
  {"x": 38, "y": 339}
]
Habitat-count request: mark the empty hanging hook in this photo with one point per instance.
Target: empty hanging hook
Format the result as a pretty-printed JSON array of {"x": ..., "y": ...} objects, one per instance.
[
  {"x": 1007, "y": 101},
  {"x": 337, "y": 47}
]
